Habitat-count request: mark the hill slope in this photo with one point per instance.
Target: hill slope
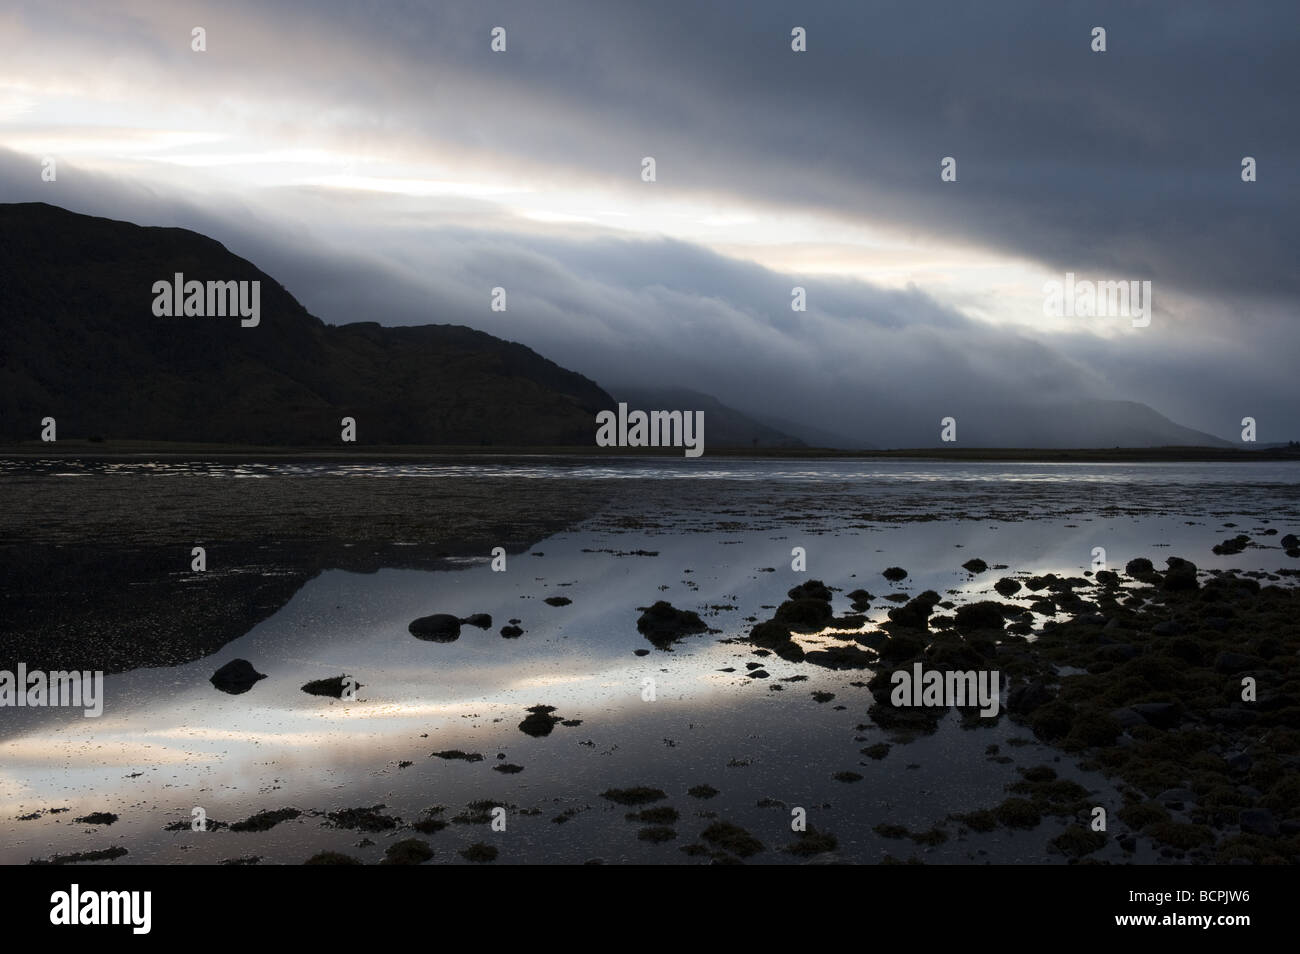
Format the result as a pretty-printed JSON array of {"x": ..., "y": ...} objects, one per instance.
[{"x": 79, "y": 342}]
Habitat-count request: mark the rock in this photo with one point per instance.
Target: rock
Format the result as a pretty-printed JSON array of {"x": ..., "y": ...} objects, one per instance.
[
  {"x": 1007, "y": 586},
  {"x": 511, "y": 632},
  {"x": 1168, "y": 627},
  {"x": 861, "y": 599},
  {"x": 333, "y": 687},
  {"x": 540, "y": 722},
  {"x": 894, "y": 573},
  {"x": 1233, "y": 717},
  {"x": 1258, "y": 821},
  {"x": 805, "y": 614},
  {"x": 984, "y": 614},
  {"x": 1127, "y": 717},
  {"x": 1239, "y": 763},
  {"x": 1235, "y": 662},
  {"x": 1139, "y": 568},
  {"x": 1232, "y": 546},
  {"x": 975, "y": 566},
  {"x": 1181, "y": 575},
  {"x": 557, "y": 601},
  {"x": 916, "y": 612},
  {"x": 481, "y": 620},
  {"x": 438, "y": 628},
  {"x": 663, "y": 624},
  {"x": 812, "y": 590},
  {"x": 236, "y": 676},
  {"x": 453, "y": 755},
  {"x": 411, "y": 851},
  {"x": 1290, "y": 542},
  {"x": 840, "y": 657},
  {"x": 1091, "y": 619},
  {"x": 1162, "y": 715},
  {"x": 1120, "y": 652},
  {"x": 1176, "y": 797},
  {"x": 874, "y": 640},
  {"x": 96, "y": 818},
  {"x": 1026, "y": 697}
]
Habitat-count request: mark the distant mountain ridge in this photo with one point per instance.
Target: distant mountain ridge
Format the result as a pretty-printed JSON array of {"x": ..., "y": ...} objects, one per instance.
[
  {"x": 1083, "y": 423},
  {"x": 723, "y": 426},
  {"x": 79, "y": 342}
]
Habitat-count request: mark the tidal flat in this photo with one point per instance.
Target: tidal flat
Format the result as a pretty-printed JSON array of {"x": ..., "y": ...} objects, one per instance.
[{"x": 565, "y": 709}]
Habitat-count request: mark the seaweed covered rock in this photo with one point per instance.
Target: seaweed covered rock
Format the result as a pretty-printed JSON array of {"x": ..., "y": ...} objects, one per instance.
[
  {"x": 1181, "y": 575},
  {"x": 539, "y": 721},
  {"x": 915, "y": 614},
  {"x": 409, "y": 851},
  {"x": 811, "y": 590},
  {"x": 860, "y": 599},
  {"x": 334, "y": 687},
  {"x": 807, "y": 610},
  {"x": 1007, "y": 586},
  {"x": 1231, "y": 546},
  {"x": 663, "y": 624},
  {"x": 776, "y": 637},
  {"x": 803, "y": 613},
  {"x": 1140, "y": 568},
  {"x": 983, "y": 614}
]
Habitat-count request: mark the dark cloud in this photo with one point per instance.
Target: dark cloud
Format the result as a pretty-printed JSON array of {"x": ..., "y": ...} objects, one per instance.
[{"x": 1124, "y": 163}]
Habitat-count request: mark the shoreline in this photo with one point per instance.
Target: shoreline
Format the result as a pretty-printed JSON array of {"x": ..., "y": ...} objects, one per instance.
[{"x": 164, "y": 450}]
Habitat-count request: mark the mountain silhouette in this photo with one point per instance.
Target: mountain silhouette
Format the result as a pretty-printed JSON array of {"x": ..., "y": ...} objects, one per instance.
[{"x": 79, "y": 342}]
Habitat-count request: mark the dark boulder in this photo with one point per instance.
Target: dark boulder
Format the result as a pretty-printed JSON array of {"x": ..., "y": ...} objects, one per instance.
[
  {"x": 812, "y": 590},
  {"x": 1140, "y": 569},
  {"x": 1007, "y": 586},
  {"x": 438, "y": 628},
  {"x": 663, "y": 624},
  {"x": 984, "y": 614},
  {"x": 236, "y": 676}
]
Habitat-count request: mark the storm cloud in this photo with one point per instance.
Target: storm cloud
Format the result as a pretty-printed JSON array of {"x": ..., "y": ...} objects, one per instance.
[{"x": 1117, "y": 165}]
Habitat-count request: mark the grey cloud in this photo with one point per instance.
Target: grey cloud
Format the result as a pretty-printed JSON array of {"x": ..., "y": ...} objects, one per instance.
[{"x": 1124, "y": 162}]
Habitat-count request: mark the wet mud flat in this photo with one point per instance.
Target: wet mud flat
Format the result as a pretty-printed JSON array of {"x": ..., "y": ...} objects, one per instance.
[
  {"x": 1121, "y": 689},
  {"x": 97, "y": 568}
]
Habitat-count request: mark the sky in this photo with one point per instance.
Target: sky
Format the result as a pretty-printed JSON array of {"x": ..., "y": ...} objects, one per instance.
[{"x": 386, "y": 164}]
